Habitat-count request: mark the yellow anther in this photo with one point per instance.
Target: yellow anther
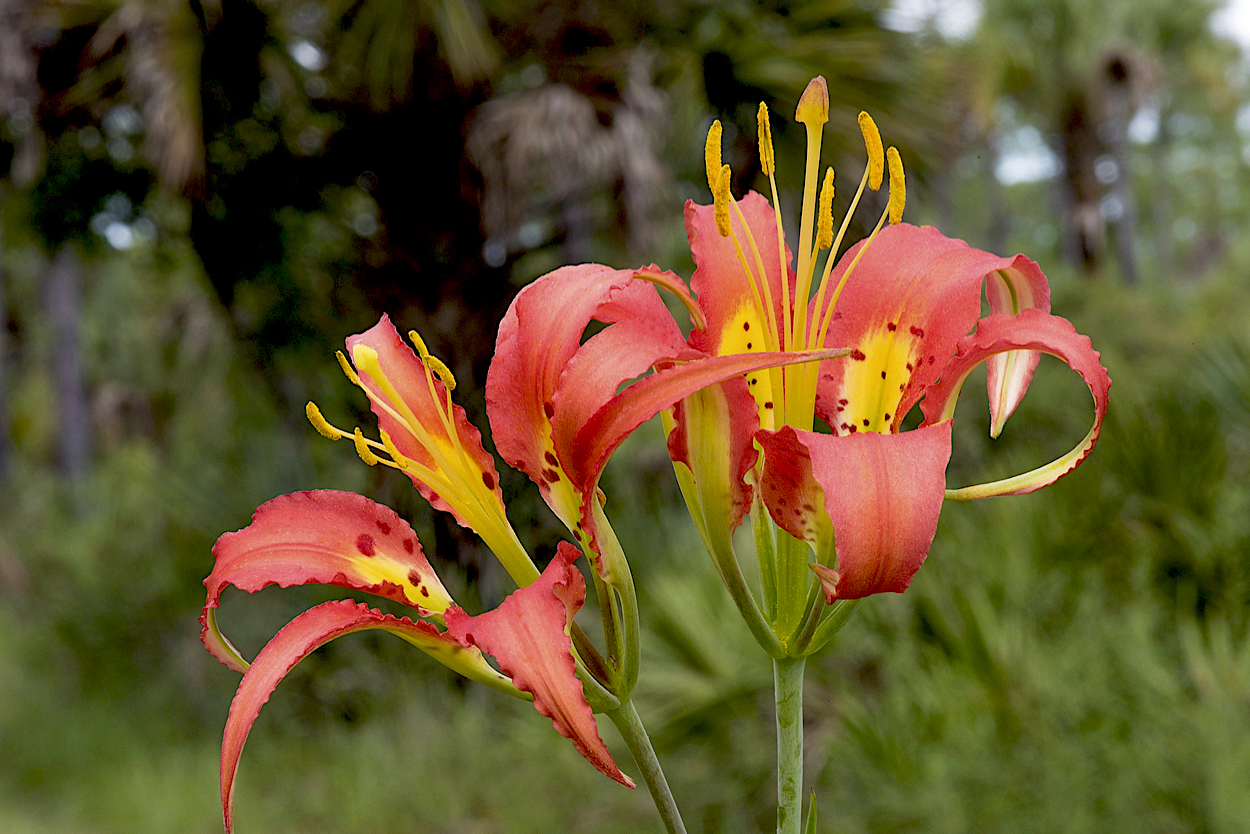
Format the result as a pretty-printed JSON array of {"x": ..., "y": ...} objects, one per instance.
[
  {"x": 362, "y": 449},
  {"x": 721, "y": 193},
  {"x": 711, "y": 155},
  {"x": 419, "y": 344},
  {"x": 824, "y": 223},
  {"x": 767, "y": 161},
  {"x": 320, "y": 423},
  {"x": 347, "y": 367},
  {"x": 391, "y": 449},
  {"x": 813, "y": 109},
  {"x": 440, "y": 370},
  {"x": 876, "y": 157},
  {"x": 898, "y": 185}
]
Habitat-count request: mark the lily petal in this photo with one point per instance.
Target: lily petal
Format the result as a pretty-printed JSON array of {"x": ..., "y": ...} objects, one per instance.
[
  {"x": 910, "y": 299},
  {"x": 530, "y": 376},
  {"x": 723, "y": 420},
  {"x": 528, "y": 634},
  {"x": 721, "y": 283},
  {"x": 411, "y": 406},
  {"x": 1013, "y": 290},
  {"x": 325, "y": 537},
  {"x": 882, "y": 495},
  {"x": 1030, "y": 330},
  {"x": 304, "y": 635},
  {"x": 608, "y": 427}
]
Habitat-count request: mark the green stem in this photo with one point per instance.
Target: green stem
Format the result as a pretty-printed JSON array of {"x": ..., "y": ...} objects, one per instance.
[
  {"x": 788, "y": 687},
  {"x": 837, "y": 616},
  {"x": 630, "y": 726}
]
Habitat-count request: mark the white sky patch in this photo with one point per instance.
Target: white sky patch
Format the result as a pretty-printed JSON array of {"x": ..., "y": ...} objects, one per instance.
[
  {"x": 1025, "y": 158},
  {"x": 952, "y": 19},
  {"x": 1233, "y": 21}
]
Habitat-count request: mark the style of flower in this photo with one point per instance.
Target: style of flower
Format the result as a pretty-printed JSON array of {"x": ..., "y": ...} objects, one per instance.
[{"x": 864, "y": 495}]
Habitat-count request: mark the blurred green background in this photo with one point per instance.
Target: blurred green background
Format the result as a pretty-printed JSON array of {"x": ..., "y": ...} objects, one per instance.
[{"x": 201, "y": 199}]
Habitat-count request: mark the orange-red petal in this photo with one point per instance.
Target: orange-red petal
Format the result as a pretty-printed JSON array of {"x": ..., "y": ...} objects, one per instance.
[
  {"x": 324, "y": 537},
  {"x": 528, "y": 635},
  {"x": 882, "y": 495}
]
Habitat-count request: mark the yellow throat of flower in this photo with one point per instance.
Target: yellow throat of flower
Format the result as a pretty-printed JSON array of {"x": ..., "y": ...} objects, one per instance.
[{"x": 787, "y": 396}]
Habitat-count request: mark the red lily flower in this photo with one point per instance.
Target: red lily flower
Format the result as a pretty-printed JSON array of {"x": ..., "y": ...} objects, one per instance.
[
  {"x": 553, "y": 401},
  {"x": 558, "y": 415},
  {"x": 864, "y": 496},
  {"x": 343, "y": 539}
]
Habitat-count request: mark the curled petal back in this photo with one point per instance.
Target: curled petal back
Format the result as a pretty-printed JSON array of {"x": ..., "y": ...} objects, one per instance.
[
  {"x": 912, "y": 296},
  {"x": 882, "y": 495},
  {"x": 1035, "y": 331},
  {"x": 535, "y": 376},
  {"x": 304, "y": 635},
  {"x": 325, "y": 537},
  {"x": 528, "y": 635}
]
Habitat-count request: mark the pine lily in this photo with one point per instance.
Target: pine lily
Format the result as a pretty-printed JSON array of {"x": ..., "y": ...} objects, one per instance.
[
  {"x": 863, "y": 495},
  {"x": 558, "y": 416}
]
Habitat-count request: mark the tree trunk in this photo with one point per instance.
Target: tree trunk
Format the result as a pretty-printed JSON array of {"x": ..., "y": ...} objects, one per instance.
[
  {"x": 5, "y": 438},
  {"x": 63, "y": 300}
]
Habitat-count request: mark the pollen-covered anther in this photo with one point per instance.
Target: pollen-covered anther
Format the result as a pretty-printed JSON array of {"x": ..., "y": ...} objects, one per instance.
[
  {"x": 440, "y": 370},
  {"x": 898, "y": 185},
  {"x": 768, "y": 162},
  {"x": 391, "y": 449},
  {"x": 711, "y": 155},
  {"x": 362, "y": 449},
  {"x": 824, "y": 220},
  {"x": 876, "y": 154},
  {"x": 721, "y": 195},
  {"x": 320, "y": 423},
  {"x": 437, "y": 366},
  {"x": 348, "y": 370}
]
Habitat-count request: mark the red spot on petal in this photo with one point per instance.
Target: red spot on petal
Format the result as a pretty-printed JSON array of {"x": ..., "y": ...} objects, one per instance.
[
  {"x": 414, "y": 578},
  {"x": 489, "y": 480},
  {"x": 746, "y": 325},
  {"x": 917, "y": 332},
  {"x": 408, "y": 545},
  {"x": 364, "y": 543},
  {"x": 384, "y": 527},
  {"x": 887, "y": 418},
  {"x": 883, "y": 374},
  {"x": 854, "y": 428},
  {"x": 866, "y": 423},
  {"x": 550, "y": 476},
  {"x": 551, "y": 458},
  {"x": 768, "y": 404},
  {"x": 891, "y": 327},
  {"x": 549, "y": 410},
  {"x": 843, "y": 401},
  {"x": 858, "y": 355}
]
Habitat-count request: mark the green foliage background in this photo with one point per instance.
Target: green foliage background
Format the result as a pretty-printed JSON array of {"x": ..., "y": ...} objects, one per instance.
[{"x": 1073, "y": 660}]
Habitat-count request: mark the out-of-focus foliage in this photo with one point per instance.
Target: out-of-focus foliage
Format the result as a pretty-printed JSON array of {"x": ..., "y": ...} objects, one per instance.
[{"x": 201, "y": 199}]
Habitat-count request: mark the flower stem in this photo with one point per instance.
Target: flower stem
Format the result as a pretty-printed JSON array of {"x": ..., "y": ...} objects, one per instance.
[
  {"x": 630, "y": 726},
  {"x": 788, "y": 687}
]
